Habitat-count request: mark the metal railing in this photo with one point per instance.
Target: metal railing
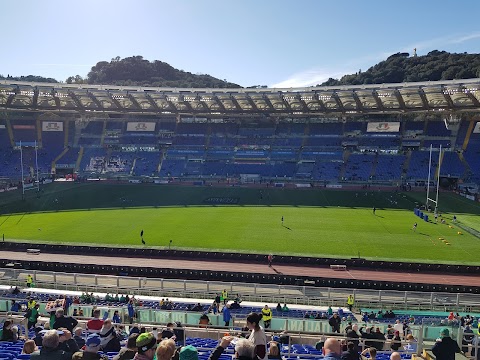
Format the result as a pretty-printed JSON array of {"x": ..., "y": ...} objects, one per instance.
[{"x": 264, "y": 293}]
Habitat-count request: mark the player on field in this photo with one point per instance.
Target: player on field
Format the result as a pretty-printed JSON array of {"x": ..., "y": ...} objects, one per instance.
[{"x": 414, "y": 228}]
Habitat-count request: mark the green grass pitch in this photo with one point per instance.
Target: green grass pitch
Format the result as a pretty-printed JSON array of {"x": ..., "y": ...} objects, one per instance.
[{"x": 316, "y": 222}]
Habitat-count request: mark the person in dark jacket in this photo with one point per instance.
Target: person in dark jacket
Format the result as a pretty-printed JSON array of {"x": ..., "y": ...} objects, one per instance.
[
  {"x": 351, "y": 353},
  {"x": 352, "y": 336},
  {"x": 396, "y": 341},
  {"x": 130, "y": 349},
  {"x": 446, "y": 347},
  {"x": 334, "y": 322},
  {"x": 62, "y": 321}
]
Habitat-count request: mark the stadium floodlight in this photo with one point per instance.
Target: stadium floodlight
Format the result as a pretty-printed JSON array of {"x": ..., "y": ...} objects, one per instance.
[{"x": 438, "y": 178}]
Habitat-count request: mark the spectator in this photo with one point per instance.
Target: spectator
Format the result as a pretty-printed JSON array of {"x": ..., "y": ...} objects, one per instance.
[
  {"x": 204, "y": 321},
  {"x": 372, "y": 351},
  {"x": 50, "y": 350},
  {"x": 67, "y": 343},
  {"x": 130, "y": 349},
  {"x": 352, "y": 336},
  {"x": 274, "y": 351},
  {"x": 168, "y": 332},
  {"x": 32, "y": 315},
  {"x": 285, "y": 308},
  {"x": 116, "y": 318},
  {"x": 95, "y": 325},
  {"x": 38, "y": 335},
  {"x": 266, "y": 316},
  {"x": 131, "y": 311},
  {"x": 257, "y": 336},
  {"x": 398, "y": 327},
  {"x": 395, "y": 356},
  {"x": 331, "y": 349},
  {"x": 446, "y": 347},
  {"x": 108, "y": 336},
  {"x": 92, "y": 346},
  {"x": 351, "y": 353},
  {"x": 468, "y": 337},
  {"x": 226, "y": 315},
  {"x": 78, "y": 337},
  {"x": 62, "y": 321},
  {"x": 411, "y": 345},
  {"x": 15, "y": 307},
  {"x": 396, "y": 342},
  {"x": 166, "y": 349},
  {"x": 244, "y": 349},
  {"x": 334, "y": 322},
  {"x": 279, "y": 307},
  {"x": 7, "y": 332},
  {"x": 146, "y": 346},
  {"x": 188, "y": 352},
  {"x": 29, "y": 347}
]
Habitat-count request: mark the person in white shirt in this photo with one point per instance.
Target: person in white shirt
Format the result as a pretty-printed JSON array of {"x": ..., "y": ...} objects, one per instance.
[{"x": 257, "y": 337}]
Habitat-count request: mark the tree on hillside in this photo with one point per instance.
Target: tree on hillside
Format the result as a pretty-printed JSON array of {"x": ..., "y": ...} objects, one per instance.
[{"x": 400, "y": 67}]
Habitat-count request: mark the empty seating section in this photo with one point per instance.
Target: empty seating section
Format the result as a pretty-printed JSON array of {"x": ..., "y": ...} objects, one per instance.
[
  {"x": 304, "y": 151},
  {"x": 389, "y": 167},
  {"x": 380, "y": 142},
  {"x": 69, "y": 158},
  {"x": 146, "y": 163},
  {"x": 451, "y": 165},
  {"x": 418, "y": 169},
  {"x": 326, "y": 129},
  {"x": 25, "y": 132},
  {"x": 359, "y": 167},
  {"x": 437, "y": 128}
]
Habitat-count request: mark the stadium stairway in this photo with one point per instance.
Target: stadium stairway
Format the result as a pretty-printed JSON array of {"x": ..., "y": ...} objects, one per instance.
[
  {"x": 465, "y": 164},
  {"x": 54, "y": 162},
  {"x": 469, "y": 133},
  {"x": 10, "y": 132},
  {"x": 374, "y": 166},
  {"x": 79, "y": 159},
  {"x": 39, "y": 134},
  {"x": 103, "y": 135},
  {"x": 66, "y": 127}
]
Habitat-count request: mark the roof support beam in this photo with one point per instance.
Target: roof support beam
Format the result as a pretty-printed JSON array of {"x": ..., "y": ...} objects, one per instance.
[
  {"x": 116, "y": 102},
  {"x": 378, "y": 100},
  {"x": 134, "y": 101},
  {"x": 268, "y": 102},
  {"x": 338, "y": 101},
  {"x": 358, "y": 102},
  {"x": 472, "y": 98},
  {"x": 426, "y": 106},
  {"x": 236, "y": 103},
  {"x": 152, "y": 102},
  {"x": 448, "y": 98},
  {"x": 76, "y": 100},
  {"x": 400, "y": 100},
  {"x": 95, "y": 100}
]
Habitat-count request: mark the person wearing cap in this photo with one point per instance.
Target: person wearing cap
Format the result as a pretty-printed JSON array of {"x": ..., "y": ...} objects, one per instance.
[
  {"x": 78, "y": 337},
  {"x": 446, "y": 347},
  {"x": 146, "y": 346},
  {"x": 92, "y": 346},
  {"x": 67, "y": 343},
  {"x": 188, "y": 352},
  {"x": 50, "y": 349}
]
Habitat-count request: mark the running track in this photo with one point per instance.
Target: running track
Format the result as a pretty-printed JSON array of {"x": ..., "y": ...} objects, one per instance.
[{"x": 313, "y": 271}]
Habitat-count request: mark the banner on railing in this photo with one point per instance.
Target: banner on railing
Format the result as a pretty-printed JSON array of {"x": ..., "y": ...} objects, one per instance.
[
  {"x": 52, "y": 126},
  {"x": 141, "y": 126},
  {"x": 476, "y": 129},
  {"x": 383, "y": 127}
]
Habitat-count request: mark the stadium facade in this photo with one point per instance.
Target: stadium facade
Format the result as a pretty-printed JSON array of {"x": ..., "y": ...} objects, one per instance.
[{"x": 377, "y": 134}]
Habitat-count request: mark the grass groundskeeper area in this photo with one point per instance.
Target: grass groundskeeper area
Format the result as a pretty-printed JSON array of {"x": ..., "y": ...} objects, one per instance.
[{"x": 334, "y": 223}]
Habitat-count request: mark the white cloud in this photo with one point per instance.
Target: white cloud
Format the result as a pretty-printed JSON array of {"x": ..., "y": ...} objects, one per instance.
[{"x": 311, "y": 77}]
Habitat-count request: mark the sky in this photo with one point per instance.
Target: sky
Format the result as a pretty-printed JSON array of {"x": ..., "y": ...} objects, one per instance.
[{"x": 277, "y": 43}]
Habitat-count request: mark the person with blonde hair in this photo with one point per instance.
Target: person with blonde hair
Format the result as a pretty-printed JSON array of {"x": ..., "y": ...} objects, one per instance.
[
  {"x": 166, "y": 349},
  {"x": 29, "y": 347},
  {"x": 274, "y": 351}
]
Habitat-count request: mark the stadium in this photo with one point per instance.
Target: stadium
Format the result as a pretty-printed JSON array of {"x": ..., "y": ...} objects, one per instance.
[{"x": 371, "y": 190}]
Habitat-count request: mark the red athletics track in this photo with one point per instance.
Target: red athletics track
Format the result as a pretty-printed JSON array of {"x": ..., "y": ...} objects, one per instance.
[{"x": 323, "y": 272}]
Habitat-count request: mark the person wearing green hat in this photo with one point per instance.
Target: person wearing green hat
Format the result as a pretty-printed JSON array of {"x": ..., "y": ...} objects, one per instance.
[
  {"x": 188, "y": 352},
  {"x": 445, "y": 348},
  {"x": 146, "y": 345}
]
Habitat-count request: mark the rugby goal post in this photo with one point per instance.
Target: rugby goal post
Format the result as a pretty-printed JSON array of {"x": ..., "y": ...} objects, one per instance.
[{"x": 429, "y": 199}]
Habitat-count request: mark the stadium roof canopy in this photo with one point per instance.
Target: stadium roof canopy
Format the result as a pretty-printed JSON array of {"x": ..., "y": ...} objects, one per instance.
[{"x": 435, "y": 96}]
